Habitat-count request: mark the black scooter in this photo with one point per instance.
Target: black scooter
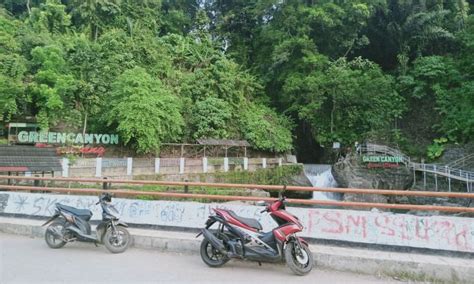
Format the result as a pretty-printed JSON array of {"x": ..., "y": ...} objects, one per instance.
[{"x": 69, "y": 224}]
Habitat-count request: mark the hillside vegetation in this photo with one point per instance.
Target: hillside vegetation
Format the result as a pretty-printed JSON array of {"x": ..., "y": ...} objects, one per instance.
[{"x": 280, "y": 74}]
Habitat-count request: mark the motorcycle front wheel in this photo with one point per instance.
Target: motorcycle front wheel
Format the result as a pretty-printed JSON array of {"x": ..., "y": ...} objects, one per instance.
[
  {"x": 117, "y": 241},
  {"x": 212, "y": 256},
  {"x": 53, "y": 233},
  {"x": 299, "y": 258}
]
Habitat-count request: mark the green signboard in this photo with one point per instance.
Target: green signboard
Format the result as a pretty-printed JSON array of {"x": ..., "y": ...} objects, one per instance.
[
  {"x": 66, "y": 138},
  {"x": 382, "y": 159}
]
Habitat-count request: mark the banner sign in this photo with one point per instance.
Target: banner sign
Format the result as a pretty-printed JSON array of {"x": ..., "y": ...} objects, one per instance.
[
  {"x": 99, "y": 151},
  {"x": 63, "y": 138},
  {"x": 382, "y": 159}
]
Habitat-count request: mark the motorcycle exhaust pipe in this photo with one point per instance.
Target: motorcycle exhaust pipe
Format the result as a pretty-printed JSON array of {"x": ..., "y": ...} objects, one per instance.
[{"x": 215, "y": 242}]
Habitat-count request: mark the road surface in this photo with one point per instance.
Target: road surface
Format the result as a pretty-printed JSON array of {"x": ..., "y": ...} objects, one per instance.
[{"x": 26, "y": 260}]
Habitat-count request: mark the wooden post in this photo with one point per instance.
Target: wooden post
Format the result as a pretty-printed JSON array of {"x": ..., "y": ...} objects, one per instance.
[
  {"x": 186, "y": 187},
  {"x": 104, "y": 184}
]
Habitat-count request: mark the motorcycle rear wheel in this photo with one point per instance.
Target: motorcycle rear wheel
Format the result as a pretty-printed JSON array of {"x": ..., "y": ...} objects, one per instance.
[
  {"x": 51, "y": 239},
  {"x": 299, "y": 260},
  {"x": 211, "y": 256}
]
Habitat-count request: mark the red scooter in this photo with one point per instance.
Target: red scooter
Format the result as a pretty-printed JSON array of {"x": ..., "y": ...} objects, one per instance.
[{"x": 238, "y": 237}]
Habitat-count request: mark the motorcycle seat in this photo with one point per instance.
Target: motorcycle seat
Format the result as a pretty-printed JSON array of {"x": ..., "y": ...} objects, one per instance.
[
  {"x": 84, "y": 214},
  {"x": 252, "y": 223}
]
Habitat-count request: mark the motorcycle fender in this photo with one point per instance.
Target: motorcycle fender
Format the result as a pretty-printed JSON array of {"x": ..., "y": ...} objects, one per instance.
[
  {"x": 302, "y": 241},
  {"x": 123, "y": 224},
  {"x": 209, "y": 223},
  {"x": 51, "y": 219}
]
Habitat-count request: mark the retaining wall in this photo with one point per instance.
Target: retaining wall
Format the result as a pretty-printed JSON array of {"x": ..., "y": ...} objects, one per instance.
[{"x": 381, "y": 228}]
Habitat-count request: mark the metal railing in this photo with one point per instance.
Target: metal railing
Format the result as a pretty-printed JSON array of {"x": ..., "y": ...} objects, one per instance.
[
  {"x": 382, "y": 149},
  {"x": 461, "y": 161},
  {"x": 438, "y": 169},
  {"x": 126, "y": 193},
  {"x": 444, "y": 170}
]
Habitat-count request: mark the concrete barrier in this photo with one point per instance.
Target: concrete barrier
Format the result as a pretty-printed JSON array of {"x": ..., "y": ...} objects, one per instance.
[{"x": 378, "y": 228}]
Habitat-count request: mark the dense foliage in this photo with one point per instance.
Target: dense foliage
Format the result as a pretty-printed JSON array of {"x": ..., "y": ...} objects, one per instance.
[{"x": 266, "y": 71}]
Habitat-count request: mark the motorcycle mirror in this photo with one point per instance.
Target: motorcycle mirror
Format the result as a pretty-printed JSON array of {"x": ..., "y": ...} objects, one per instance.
[{"x": 261, "y": 203}]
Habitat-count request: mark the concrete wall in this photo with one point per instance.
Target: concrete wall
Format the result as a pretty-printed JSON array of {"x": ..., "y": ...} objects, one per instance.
[
  {"x": 123, "y": 167},
  {"x": 434, "y": 232}
]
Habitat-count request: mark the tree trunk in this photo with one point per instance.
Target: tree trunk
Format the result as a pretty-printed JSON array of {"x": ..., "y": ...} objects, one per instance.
[
  {"x": 28, "y": 7},
  {"x": 85, "y": 125}
]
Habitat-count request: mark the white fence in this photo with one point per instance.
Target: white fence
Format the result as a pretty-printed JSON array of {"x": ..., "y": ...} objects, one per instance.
[{"x": 119, "y": 167}]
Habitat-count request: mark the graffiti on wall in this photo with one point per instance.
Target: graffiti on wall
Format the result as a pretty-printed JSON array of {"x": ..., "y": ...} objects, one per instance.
[
  {"x": 435, "y": 232},
  {"x": 449, "y": 233}
]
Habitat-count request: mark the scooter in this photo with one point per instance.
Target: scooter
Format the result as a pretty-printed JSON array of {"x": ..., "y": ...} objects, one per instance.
[
  {"x": 242, "y": 238},
  {"x": 69, "y": 224}
]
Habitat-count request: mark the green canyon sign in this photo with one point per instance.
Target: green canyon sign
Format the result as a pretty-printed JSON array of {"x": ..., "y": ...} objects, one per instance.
[
  {"x": 382, "y": 159},
  {"x": 66, "y": 138}
]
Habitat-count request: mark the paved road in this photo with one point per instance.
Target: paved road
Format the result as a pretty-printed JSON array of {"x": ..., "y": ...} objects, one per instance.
[{"x": 26, "y": 260}]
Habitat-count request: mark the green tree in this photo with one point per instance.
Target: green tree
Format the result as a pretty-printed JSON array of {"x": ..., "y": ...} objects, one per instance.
[
  {"x": 345, "y": 100},
  {"x": 95, "y": 14},
  {"x": 143, "y": 111},
  {"x": 210, "y": 118},
  {"x": 52, "y": 87},
  {"x": 265, "y": 129},
  {"x": 50, "y": 16},
  {"x": 12, "y": 68}
]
